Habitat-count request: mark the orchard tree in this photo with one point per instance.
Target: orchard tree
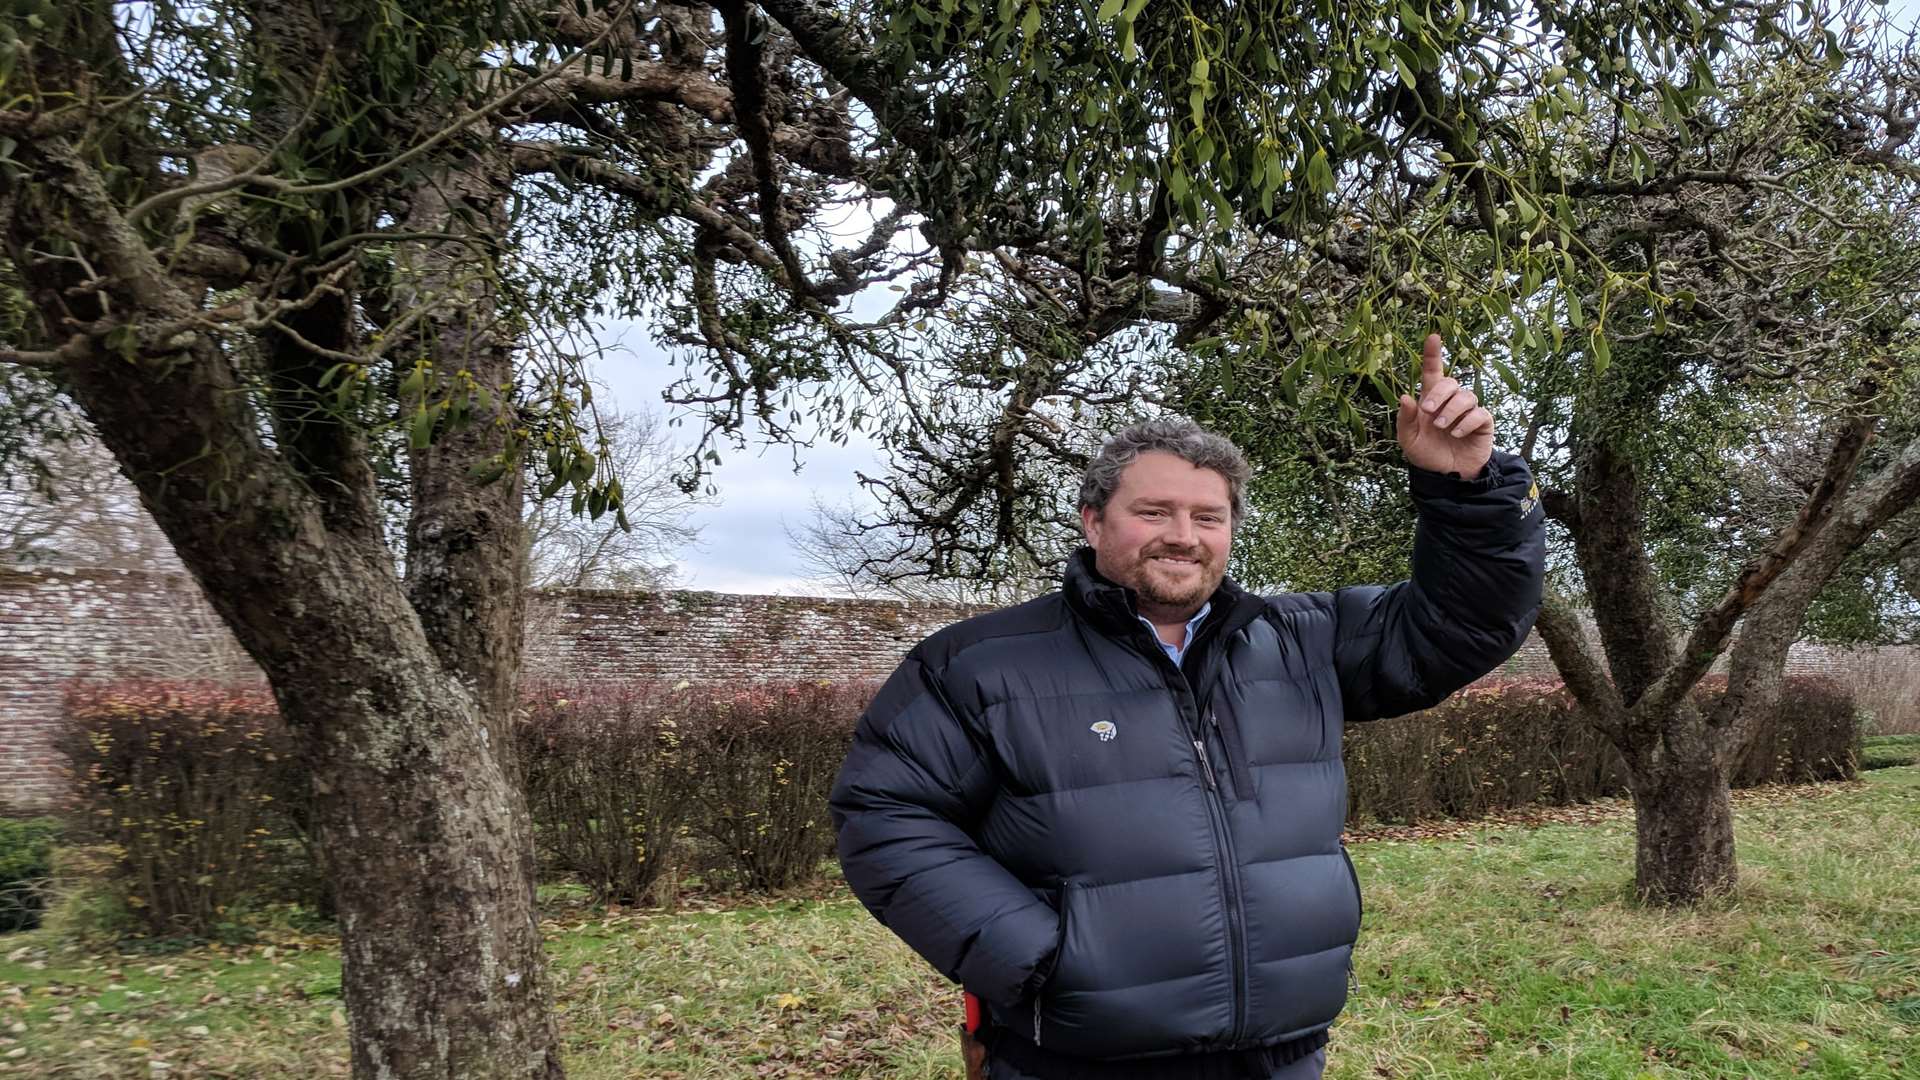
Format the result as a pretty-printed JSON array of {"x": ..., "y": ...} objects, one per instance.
[
  {"x": 1103, "y": 183},
  {"x": 1775, "y": 233},
  {"x": 1662, "y": 274},
  {"x": 296, "y": 261},
  {"x": 288, "y": 258}
]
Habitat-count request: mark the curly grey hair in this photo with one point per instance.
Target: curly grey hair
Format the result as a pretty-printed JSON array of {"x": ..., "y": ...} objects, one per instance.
[{"x": 1174, "y": 435}]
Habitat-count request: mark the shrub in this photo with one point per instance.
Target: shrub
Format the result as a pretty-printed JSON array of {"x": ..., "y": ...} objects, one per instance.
[
  {"x": 26, "y": 867},
  {"x": 1814, "y": 735},
  {"x": 768, "y": 758},
  {"x": 608, "y": 776},
  {"x": 1518, "y": 742},
  {"x": 180, "y": 781},
  {"x": 195, "y": 790},
  {"x": 1499, "y": 744},
  {"x": 1890, "y": 752}
]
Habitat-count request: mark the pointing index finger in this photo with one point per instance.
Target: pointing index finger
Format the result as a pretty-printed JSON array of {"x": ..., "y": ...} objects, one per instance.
[{"x": 1432, "y": 368}]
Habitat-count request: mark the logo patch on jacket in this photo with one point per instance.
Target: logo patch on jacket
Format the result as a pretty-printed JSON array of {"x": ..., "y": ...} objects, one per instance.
[
  {"x": 1105, "y": 729},
  {"x": 1533, "y": 498}
]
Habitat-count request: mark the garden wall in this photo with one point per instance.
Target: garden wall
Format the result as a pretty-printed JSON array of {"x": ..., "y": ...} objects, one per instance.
[{"x": 62, "y": 625}]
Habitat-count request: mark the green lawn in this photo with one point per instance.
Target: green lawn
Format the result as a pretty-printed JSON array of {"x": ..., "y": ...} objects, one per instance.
[{"x": 1508, "y": 952}]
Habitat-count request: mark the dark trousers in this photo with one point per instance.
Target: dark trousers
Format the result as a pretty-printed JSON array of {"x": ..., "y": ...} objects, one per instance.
[{"x": 1307, "y": 1068}]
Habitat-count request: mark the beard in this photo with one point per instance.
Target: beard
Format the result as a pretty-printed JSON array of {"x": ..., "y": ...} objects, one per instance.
[{"x": 1179, "y": 590}]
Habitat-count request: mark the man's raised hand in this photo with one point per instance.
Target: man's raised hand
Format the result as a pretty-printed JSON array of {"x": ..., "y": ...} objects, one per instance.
[{"x": 1446, "y": 431}]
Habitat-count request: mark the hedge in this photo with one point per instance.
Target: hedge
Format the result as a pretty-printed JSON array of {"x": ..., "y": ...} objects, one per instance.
[{"x": 638, "y": 783}]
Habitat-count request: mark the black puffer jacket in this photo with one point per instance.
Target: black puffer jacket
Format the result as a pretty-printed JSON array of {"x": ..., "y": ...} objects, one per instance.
[{"x": 1128, "y": 859}]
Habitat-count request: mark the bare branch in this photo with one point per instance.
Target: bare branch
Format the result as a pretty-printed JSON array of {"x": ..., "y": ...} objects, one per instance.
[
  {"x": 1579, "y": 668},
  {"x": 51, "y": 360},
  {"x": 1713, "y": 628},
  {"x": 750, "y": 117}
]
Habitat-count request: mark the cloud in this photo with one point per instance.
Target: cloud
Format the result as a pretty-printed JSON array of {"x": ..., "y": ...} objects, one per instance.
[{"x": 743, "y": 543}]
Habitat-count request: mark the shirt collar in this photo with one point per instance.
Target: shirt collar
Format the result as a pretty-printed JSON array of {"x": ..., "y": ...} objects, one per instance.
[{"x": 1176, "y": 652}]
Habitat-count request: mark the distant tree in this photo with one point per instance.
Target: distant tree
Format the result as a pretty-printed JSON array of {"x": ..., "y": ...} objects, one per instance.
[
  {"x": 570, "y": 550},
  {"x": 79, "y": 512},
  {"x": 845, "y": 551}
]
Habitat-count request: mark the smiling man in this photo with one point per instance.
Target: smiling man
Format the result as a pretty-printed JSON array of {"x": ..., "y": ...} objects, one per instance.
[{"x": 1113, "y": 813}]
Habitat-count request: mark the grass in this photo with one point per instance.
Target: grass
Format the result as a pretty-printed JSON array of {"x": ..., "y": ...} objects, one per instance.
[{"x": 1509, "y": 952}]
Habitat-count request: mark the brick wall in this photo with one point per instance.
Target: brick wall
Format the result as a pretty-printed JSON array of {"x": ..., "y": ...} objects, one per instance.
[
  {"x": 62, "y": 625},
  {"x": 58, "y": 626}
]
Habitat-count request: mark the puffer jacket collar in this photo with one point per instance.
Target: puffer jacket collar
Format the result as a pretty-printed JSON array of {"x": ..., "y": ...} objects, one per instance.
[{"x": 1114, "y": 609}]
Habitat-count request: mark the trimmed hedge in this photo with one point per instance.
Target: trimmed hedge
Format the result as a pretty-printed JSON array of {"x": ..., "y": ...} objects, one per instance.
[
  {"x": 1890, "y": 752},
  {"x": 195, "y": 789},
  {"x": 1520, "y": 742},
  {"x": 627, "y": 782}
]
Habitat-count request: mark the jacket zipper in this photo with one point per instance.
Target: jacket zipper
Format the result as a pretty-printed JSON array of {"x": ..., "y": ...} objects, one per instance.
[
  {"x": 1236, "y": 766},
  {"x": 1206, "y": 766},
  {"x": 1222, "y": 843},
  {"x": 1360, "y": 903},
  {"x": 1040, "y": 991},
  {"x": 1230, "y": 868},
  {"x": 1236, "y": 918}
]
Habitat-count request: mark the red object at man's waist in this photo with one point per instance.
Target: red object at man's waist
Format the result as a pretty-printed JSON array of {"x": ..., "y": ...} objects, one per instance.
[{"x": 973, "y": 1012}]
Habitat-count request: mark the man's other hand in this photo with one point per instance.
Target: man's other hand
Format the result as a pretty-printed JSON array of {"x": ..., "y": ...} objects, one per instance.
[{"x": 1446, "y": 431}]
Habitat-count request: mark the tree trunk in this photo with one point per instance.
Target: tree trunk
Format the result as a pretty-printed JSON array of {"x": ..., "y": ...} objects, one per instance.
[
  {"x": 427, "y": 842},
  {"x": 1683, "y": 817},
  {"x": 401, "y": 714}
]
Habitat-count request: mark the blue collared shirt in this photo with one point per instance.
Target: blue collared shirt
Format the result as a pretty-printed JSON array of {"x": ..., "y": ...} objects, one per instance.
[{"x": 1180, "y": 650}]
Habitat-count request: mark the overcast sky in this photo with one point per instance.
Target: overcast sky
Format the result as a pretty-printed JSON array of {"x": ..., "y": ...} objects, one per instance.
[{"x": 743, "y": 543}]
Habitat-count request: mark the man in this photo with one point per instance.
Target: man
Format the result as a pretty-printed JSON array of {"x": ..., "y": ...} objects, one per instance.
[{"x": 1113, "y": 813}]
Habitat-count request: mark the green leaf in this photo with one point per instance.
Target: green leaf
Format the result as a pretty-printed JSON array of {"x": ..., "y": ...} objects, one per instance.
[
  {"x": 1506, "y": 374},
  {"x": 1319, "y": 172},
  {"x": 1222, "y": 208},
  {"x": 1406, "y": 73},
  {"x": 420, "y": 432},
  {"x": 1030, "y": 22},
  {"x": 1108, "y": 9},
  {"x": 1602, "y": 352},
  {"x": 125, "y": 341}
]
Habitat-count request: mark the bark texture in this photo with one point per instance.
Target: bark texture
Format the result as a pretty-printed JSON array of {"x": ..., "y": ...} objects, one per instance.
[
  {"x": 1679, "y": 760},
  {"x": 399, "y": 691}
]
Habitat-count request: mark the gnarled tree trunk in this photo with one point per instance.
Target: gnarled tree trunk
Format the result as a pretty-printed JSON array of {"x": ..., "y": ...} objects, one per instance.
[
  {"x": 1683, "y": 814},
  {"x": 399, "y": 692},
  {"x": 1680, "y": 760}
]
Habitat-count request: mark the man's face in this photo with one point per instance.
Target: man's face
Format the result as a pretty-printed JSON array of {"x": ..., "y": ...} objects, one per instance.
[{"x": 1164, "y": 534}]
